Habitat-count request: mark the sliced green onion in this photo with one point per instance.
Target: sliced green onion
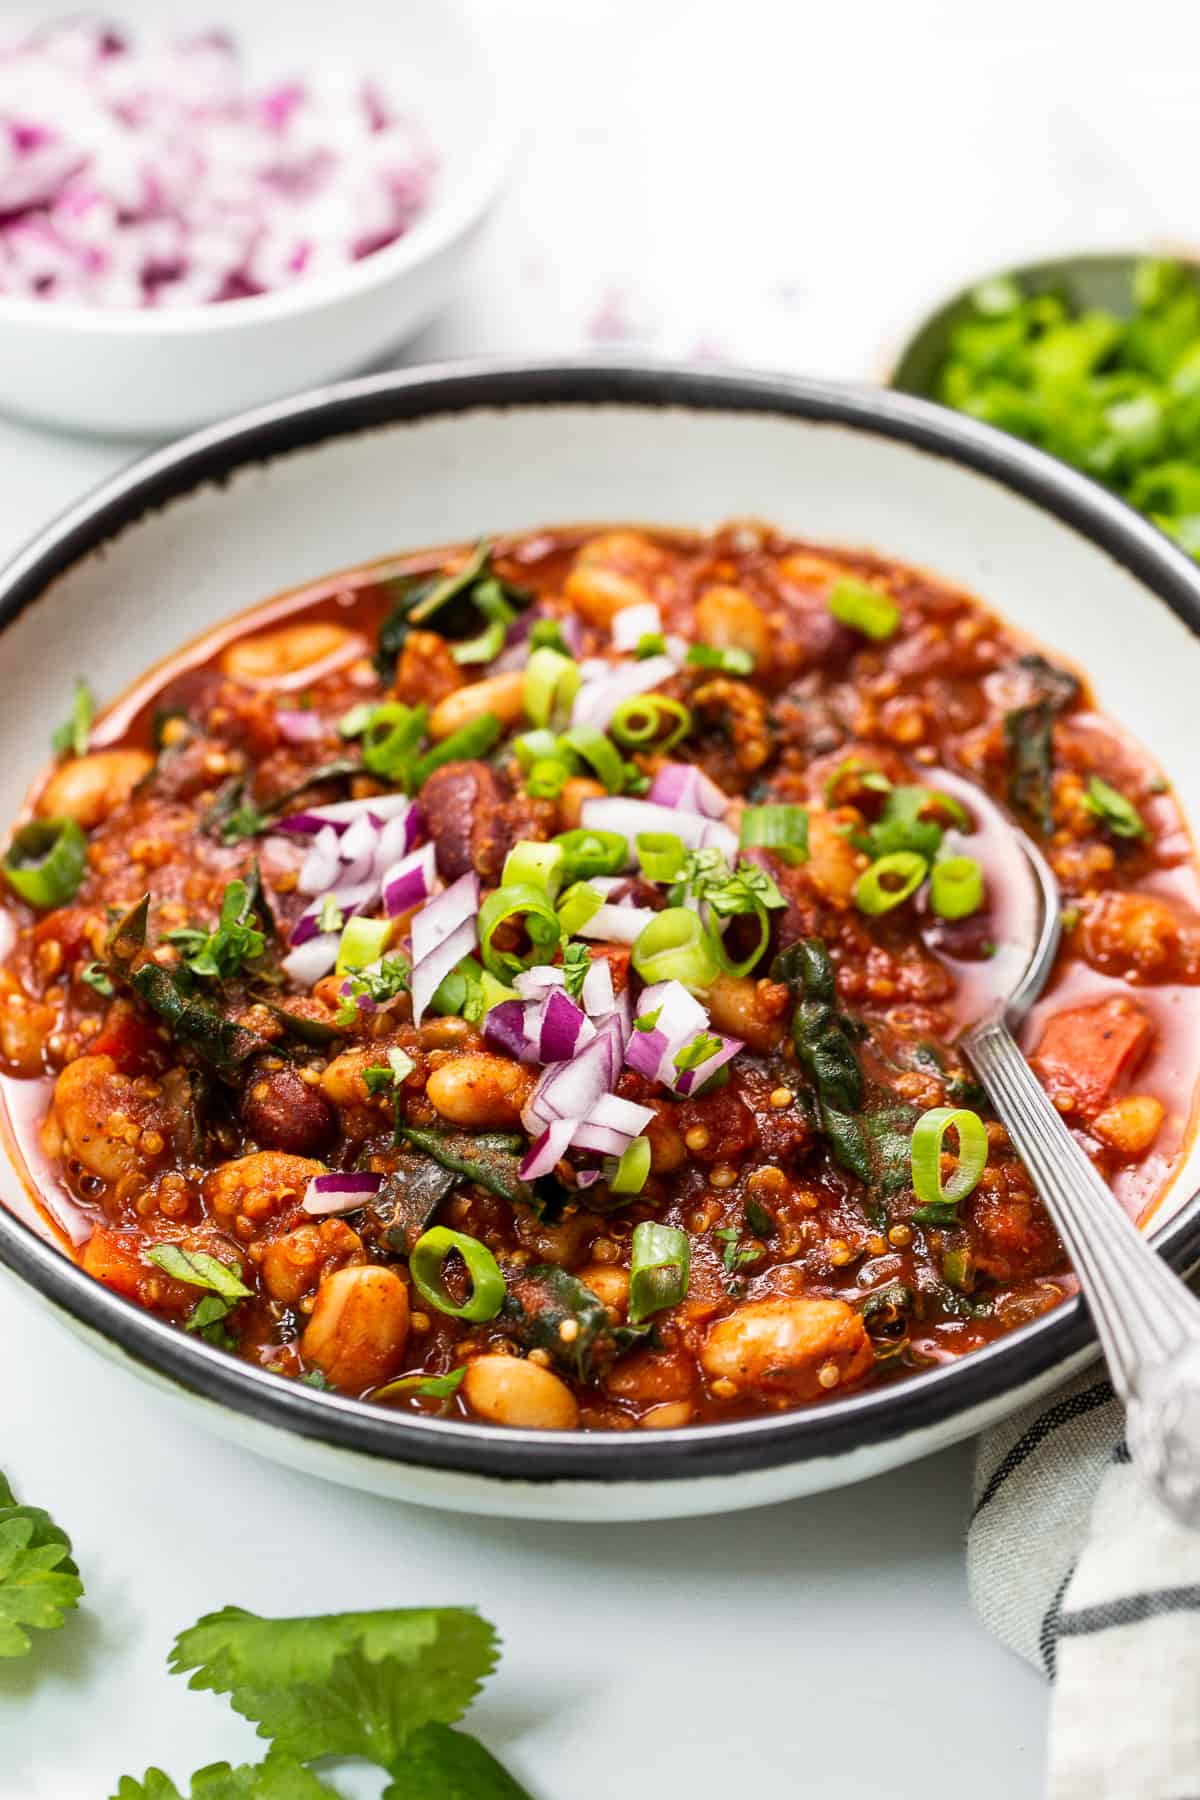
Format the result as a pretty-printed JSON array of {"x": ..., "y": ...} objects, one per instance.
[
  {"x": 391, "y": 738},
  {"x": 579, "y": 904},
  {"x": 363, "y": 942},
  {"x": 651, "y": 643},
  {"x": 532, "y": 746},
  {"x": 73, "y": 734},
  {"x": 588, "y": 853},
  {"x": 889, "y": 882},
  {"x": 460, "y": 993},
  {"x": 354, "y": 723},
  {"x": 958, "y": 1269},
  {"x": 463, "y": 745},
  {"x": 730, "y": 662},
  {"x": 595, "y": 749},
  {"x": 541, "y": 865},
  {"x": 783, "y": 829},
  {"x": 927, "y": 1137},
  {"x": 629, "y": 1176},
  {"x": 535, "y": 910},
  {"x": 956, "y": 887},
  {"x": 450, "y": 586},
  {"x": 547, "y": 778},
  {"x": 658, "y": 1274},
  {"x": 492, "y": 992},
  {"x": 674, "y": 946},
  {"x": 1114, "y": 811},
  {"x": 45, "y": 861},
  {"x": 546, "y": 634},
  {"x": 661, "y": 854},
  {"x": 650, "y": 719},
  {"x": 551, "y": 684},
  {"x": 425, "y": 1265},
  {"x": 864, "y": 608}
]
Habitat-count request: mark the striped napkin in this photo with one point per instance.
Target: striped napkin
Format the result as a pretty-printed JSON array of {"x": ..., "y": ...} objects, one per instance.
[{"x": 1079, "y": 1570}]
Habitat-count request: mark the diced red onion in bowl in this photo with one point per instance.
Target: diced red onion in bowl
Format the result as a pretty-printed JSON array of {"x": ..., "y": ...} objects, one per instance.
[
  {"x": 156, "y": 174},
  {"x": 348, "y": 900},
  {"x": 340, "y": 1193},
  {"x": 548, "y": 1149}
]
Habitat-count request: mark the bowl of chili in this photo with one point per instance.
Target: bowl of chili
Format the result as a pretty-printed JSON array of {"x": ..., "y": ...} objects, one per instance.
[{"x": 480, "y": 1024}]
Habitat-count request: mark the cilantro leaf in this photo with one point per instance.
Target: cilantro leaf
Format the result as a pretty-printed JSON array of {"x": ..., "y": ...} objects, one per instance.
[
  {"x": 1114, "y": 811},
  {"x": 200, "y": 1270},
  {"x": 577, "y": 960},
  {"x": 38, "y": 1580},
  {"x": 221, "y": 954},
  {"x": 379, "y": 985},
  {"x": 440, "y": 1764},
  {"x": 278, "y": 1778},
  {"x": 347, "y": 1684}
]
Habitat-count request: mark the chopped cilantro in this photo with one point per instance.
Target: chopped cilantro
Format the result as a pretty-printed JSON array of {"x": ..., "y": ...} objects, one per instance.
[
  {"x": 221, "y": 954},
  {"x": 734, "y": 1257},
  {"x": 698, "y": 1051},
  {"x": 577, "y": 960}
]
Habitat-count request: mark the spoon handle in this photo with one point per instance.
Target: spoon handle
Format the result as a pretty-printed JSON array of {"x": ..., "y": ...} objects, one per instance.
[{"x": 1148, "y": 1322}]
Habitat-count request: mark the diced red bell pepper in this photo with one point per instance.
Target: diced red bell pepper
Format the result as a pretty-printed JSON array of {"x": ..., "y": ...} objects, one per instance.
[{"x": 1084, "y": 1052}]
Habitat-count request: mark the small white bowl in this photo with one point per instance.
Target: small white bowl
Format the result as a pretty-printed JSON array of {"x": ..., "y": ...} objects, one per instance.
[{"x": 145, "y": 373}]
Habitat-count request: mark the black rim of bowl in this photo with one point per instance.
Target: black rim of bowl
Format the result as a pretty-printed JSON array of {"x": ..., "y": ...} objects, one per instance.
[{"x": 875, "y": 1416}]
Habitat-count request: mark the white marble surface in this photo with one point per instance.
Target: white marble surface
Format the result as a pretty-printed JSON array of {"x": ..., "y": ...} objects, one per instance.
[{"x": 778, "y": 184}]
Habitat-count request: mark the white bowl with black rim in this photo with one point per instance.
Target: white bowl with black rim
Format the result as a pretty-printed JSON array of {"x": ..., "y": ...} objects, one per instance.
[{"x": 169, "y": 549}]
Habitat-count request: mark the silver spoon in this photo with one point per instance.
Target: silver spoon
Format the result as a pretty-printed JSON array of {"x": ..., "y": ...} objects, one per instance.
[{"x": 1147, "y": 1320}]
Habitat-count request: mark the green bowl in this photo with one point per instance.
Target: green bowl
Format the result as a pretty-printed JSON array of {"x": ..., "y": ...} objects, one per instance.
[{"x": 1083, "y": 281}]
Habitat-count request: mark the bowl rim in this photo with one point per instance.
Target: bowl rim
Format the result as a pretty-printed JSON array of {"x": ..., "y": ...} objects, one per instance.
[
  {"x": 874, "y": 1416},
  {"x": 434, "y": 230}
]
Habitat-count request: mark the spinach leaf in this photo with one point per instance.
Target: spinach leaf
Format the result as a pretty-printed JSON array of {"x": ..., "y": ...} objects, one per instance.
[
  {"x": 192, "y": 1019},
  {"x": 410, "y": 1196},
  {"x": 549, "y": 1309},
  {"x": 1029, "y": 739},
  {"x": 491, "y": 1159}
]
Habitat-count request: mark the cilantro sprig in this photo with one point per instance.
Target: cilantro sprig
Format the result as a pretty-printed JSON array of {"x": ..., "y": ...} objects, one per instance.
[
  {"x": 221, "y": 954},
  {"x": 39, "y": 1583},
  {"x": 389, "y": 1687}
]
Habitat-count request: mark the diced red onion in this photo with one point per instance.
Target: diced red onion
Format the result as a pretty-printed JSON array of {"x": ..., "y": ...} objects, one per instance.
[
  {"x": 299, "y": 727},
  {"x": 565, "y": 1028},
  {"x": 688, "y": 1080},
  {"x": 410, "y": 882},
  {"x": 569, "y": 1090},
  {"x": 629, "y": 817},
  {"x": 633, "y": 623},
  {"x": 535, "y": 983},
  {"x": 71, "y": 1219},
  {"x": 322, "y": 864},
  {"x": 598, "y": 700},
  {"x": 340, "y": 1193},
  {"x": 343, "y": 813},
  {"x": 547, "y": 1149},
  {"x": 306, "y": 964},
  {"x": 348, "y": 900},
  {"x": 428, "y": 976},
  {"x": 159, "y": 174},
  {"x": 621, "y": 1115},
  {"x": 597, "y": 994},
  {"x": 443, "y": 932},
  {"x": 685, "y": 786},
  {"x": 504, "y": 1026},
  {"x": 680, "y": 1018},
  {"x": 616, "y": 924}
]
